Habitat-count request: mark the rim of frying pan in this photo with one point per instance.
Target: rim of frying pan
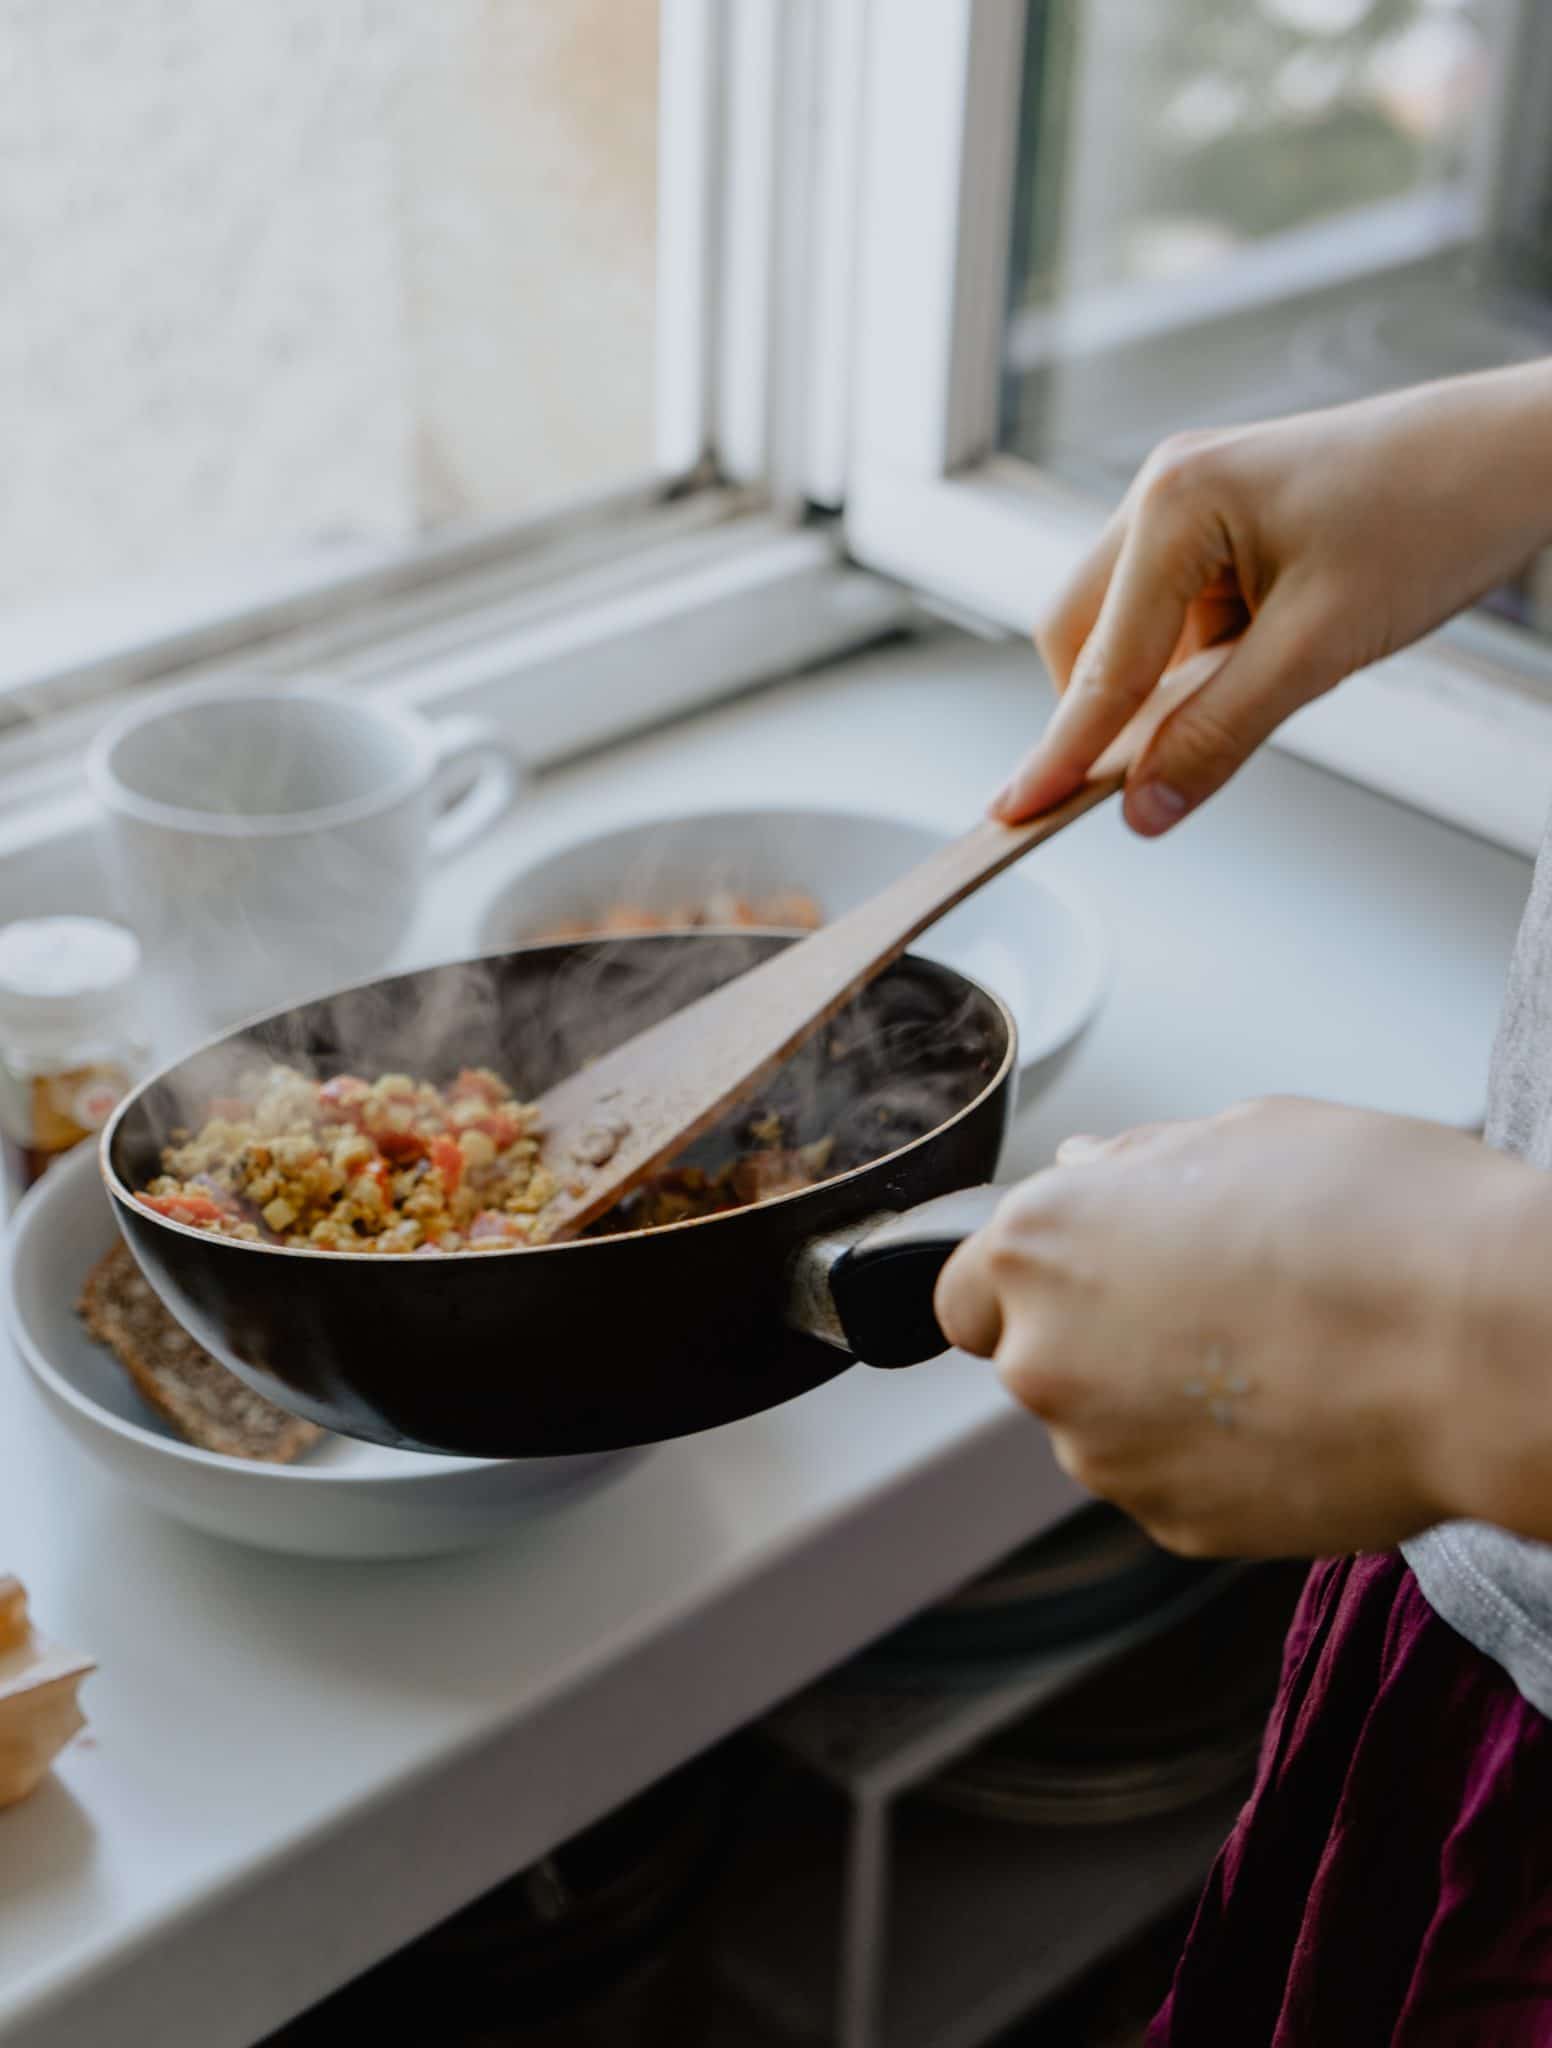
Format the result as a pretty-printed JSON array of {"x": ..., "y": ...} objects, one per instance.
[{"x": 127, "y": 1196}]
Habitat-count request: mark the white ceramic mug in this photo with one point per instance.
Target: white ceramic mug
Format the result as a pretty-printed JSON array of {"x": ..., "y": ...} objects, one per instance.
[{"x": 271, "y": 844}]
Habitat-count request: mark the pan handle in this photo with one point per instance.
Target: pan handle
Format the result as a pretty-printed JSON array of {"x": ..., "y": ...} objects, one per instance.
[{"x": 869, "y": 1290}]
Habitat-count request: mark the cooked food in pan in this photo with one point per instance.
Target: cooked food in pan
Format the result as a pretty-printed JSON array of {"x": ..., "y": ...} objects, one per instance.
[
  {"x": 398, "y": 1165},
  {"x": 679, "y": 1192},
  {"x": 689, "y": 1326},
  {"x": 391, "y": 1165}
]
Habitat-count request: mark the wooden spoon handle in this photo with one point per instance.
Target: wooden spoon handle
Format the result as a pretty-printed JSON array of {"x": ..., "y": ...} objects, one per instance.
[
  {"x": 636, "y": 1108},
  {"x": 878, "y": 931}
]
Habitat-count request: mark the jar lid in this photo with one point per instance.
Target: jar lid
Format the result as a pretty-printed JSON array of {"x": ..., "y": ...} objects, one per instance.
[{"x": 63, "y": 975}]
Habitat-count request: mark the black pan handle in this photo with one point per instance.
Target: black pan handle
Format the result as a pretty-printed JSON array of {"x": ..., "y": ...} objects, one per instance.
[{"x": 880, "y": 1284}]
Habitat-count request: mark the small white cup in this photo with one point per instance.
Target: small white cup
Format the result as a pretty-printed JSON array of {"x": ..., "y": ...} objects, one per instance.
[{"x": 271, "y": 844}]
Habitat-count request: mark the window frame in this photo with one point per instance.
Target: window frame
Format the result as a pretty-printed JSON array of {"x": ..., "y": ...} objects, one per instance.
[{"x": 1460, "y": 727}]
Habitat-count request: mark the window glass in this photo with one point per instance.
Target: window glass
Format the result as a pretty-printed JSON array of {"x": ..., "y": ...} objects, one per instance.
[
  {"x": 287, "y": 275},
  {"x": 1232, "y": 208}
]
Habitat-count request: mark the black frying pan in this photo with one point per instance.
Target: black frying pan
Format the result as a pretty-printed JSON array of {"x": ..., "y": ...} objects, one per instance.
[{"x": 619, "y": 1339}]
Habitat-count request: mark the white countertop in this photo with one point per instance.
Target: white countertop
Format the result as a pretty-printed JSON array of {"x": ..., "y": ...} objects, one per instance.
[{"x": 293, "y": 1768}]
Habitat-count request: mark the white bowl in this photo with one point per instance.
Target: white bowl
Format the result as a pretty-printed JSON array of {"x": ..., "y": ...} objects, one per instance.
[
  {"x": 1042, "y": 949},
  {"x": 343, "y": 1499}
]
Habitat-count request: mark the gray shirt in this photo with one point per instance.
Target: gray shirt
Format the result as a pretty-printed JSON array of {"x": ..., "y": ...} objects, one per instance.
[{"x": 1494, "y": 1589}]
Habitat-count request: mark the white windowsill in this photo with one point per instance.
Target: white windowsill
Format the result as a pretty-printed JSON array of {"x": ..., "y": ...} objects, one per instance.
[{"x": 562, "y": 662}]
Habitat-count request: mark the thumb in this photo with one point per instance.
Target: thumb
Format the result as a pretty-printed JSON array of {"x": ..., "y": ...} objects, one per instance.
[{"x": 1281, "y": 663}]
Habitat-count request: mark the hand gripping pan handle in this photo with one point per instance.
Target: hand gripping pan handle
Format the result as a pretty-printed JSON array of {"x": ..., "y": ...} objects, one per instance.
[{"x": 869, "y": 1290}]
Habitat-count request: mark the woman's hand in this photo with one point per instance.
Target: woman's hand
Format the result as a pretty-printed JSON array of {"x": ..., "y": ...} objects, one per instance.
[
  {"x": 1291, "y": 1329},
  {"x": 1318, "y": 544}
]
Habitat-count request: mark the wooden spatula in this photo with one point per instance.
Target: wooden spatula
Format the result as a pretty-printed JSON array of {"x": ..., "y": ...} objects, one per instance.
[{"x": 635, "y": 1109}]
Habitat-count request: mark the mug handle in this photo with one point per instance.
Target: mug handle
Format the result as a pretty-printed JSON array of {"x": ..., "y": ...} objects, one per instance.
[{"x": 498, "y": 774}]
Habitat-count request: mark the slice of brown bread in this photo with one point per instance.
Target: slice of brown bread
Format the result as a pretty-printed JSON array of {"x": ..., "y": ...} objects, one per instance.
[{"x": 205, "y": 1403}]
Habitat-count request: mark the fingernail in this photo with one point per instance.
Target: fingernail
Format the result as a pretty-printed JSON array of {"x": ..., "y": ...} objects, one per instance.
[
  {"x": 1155, "y": 807},
  {"x": 1000, "y": 801}
]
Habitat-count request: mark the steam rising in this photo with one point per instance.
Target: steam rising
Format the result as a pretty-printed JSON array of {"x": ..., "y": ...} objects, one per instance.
[{"x": 898, "y": 1062}]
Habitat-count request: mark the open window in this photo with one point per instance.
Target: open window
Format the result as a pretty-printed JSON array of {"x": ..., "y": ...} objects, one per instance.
[
  {"x": 429, "y": 349},
  {"x": 576, "y": 365},
  {"x": 1084, "y": 224}
]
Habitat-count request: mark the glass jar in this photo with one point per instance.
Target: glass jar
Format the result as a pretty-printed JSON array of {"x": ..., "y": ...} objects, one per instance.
[{"x": 71, "y": 1040}]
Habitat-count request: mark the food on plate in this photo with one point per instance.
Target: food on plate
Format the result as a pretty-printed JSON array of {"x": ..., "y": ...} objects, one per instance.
[
  {"x": 396, "y": 1165},
  {"x": 207, "y": 1405},
  {"x": 39, "y": 1711},
  {"x": 781, "y": 909}
]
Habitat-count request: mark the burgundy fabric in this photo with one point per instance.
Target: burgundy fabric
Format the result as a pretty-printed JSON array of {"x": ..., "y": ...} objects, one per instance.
[{"x": 1389, "y": 1881}]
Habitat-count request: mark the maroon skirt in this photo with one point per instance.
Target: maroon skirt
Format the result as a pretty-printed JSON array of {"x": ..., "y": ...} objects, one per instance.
[{"x": 1389, "y": 1882}]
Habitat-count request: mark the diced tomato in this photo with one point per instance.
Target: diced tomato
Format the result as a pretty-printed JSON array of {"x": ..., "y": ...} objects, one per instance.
[
  {"x": 343, "y": 1097},
  {"x": 500, "y": 1127},
  {"x": 401, "y": 1148},
  {"x": 490, "y": 1225},
  {"x": 186, "y": 1208},
  {"x": 473, "y": 1082},
  {"x": 448, "y": 1161}
]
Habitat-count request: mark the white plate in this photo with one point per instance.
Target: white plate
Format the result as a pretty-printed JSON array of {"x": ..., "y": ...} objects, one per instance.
[
  {"x": 343, "y": 1499},
  {"x": 1041, "y": 949}
]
